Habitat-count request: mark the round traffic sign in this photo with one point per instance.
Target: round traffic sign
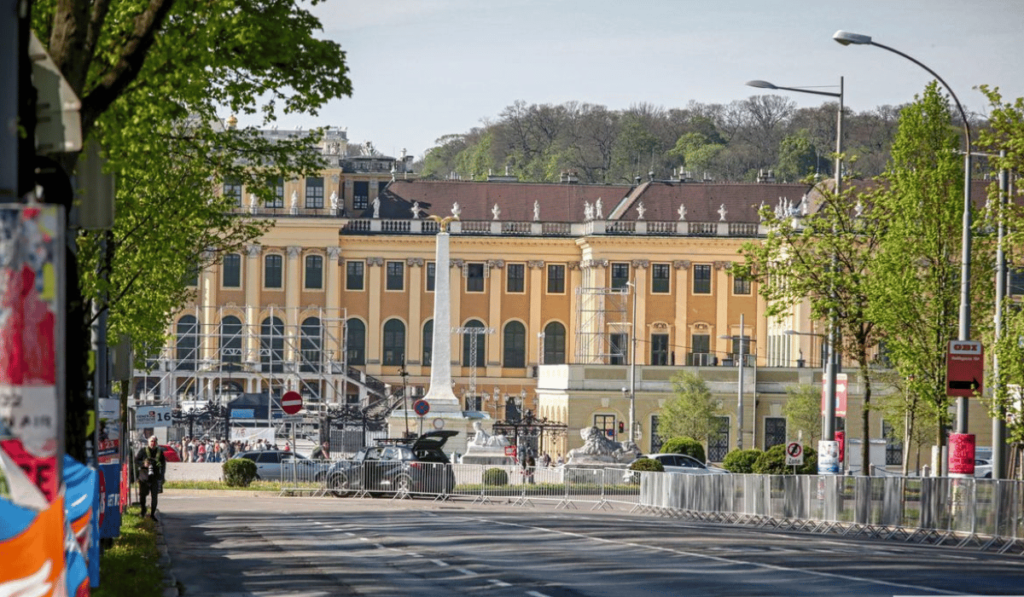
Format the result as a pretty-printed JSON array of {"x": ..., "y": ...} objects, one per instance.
[
  {"x": 794, "y": 449},
  {"x": 291, "y": 402},
  {"x": 422, "y": 407}
]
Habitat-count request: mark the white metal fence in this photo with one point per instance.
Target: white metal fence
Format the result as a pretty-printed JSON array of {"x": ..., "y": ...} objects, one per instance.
[{"x": 981, "y": 513}]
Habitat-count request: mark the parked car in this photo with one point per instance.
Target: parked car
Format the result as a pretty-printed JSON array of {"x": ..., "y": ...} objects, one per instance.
[
  {"x": 982, "y": 468},
  {"x": 416, "y": 465},
  {"x": 679, "y": 463},
  {"x": 170, "y": 454},
  {"x": 277, "y": 465}
]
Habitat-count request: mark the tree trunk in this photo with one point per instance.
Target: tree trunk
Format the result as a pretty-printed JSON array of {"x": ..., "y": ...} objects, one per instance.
[{"x": 865, "y": 447}]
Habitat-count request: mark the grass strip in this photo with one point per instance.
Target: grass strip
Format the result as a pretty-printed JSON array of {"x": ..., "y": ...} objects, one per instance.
[{"x": 131, "y": 568}]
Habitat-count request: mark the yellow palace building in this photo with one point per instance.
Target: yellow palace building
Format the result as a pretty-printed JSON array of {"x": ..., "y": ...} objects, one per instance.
[{"x": 577, "y": 303}]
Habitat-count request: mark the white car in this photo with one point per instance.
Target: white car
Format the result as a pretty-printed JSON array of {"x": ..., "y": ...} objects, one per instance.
[
  {"x": 681, "y": 463},
  {"x": 982, "y": 468}
]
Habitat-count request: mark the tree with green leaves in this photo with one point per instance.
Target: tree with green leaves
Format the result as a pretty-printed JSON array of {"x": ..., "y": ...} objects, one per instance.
[
  {"x": 153, "y": 79},
  {"x": 915, "y": 281},
  {"x": 692, "y": 412},
  {"x": 1005, "y": 133},
  {"x": 910, "y": 420},
  {"x": 824, "y": 258},
  {"x": 803, "y": 412},
  {"x": 798, "y": 158}
]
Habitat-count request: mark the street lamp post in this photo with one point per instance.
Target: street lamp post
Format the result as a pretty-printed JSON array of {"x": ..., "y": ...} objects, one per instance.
[
  {"x": 846, "y": 38},
  {"x": 828, "y": 430},
  {"x": 739, "y": 392},
  {"x": 405, "y": 395},
  {"x": 632, "y": 371}
]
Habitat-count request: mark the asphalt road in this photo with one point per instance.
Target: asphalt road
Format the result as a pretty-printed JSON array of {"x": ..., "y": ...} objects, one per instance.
[{"x": 224, "y": 544}]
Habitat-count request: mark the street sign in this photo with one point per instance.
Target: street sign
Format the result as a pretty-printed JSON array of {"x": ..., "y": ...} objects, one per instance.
[
  {"x": 794, "y": 454},
  {"x": 965, "y": 368},
  {"x": 421, "y": 407},
  {"x": 152, "y": 416},
  {"x": 291, "y": 402},
  {"x": 510, "y": 451},
  {"x": 842, "y": 386}
]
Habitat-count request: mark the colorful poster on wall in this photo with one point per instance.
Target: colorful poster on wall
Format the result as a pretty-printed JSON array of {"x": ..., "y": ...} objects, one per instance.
[
  {"x": 961, "y": 454},
  {"x": 31, "y": 252},
  {"x": 110, "y": 430},
  {"x": 110, "y": 500}
]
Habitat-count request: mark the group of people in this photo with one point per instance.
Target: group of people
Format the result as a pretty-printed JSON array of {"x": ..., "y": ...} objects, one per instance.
[{"x": 220, "y": 450}]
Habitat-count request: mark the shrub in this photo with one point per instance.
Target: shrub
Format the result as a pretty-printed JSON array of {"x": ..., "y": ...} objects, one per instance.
[
  {"x": 773, "y": 462},
  {"x": 495, "y": 476},
  {"x": 239, "y": 472},
  {"x": 647, "y": 464},
  {"x": 741, "y": 461},
  {"x": 684, "y": 445}
]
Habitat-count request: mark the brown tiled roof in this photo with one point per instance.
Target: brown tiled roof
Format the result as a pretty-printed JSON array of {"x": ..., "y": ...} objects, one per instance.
[{"x": 565, "y": 202}]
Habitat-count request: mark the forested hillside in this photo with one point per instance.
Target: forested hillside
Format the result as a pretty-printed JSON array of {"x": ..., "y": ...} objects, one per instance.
[{"x": 705, "y": 141}]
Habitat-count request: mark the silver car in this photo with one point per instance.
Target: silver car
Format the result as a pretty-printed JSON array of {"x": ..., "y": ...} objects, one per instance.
[
  {"x": 283, "y": 465},
  {"x": 681, "y": 463}
]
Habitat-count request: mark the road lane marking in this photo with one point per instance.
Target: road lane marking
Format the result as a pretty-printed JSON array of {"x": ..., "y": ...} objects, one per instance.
[
  {"x": 536, "y": 594},
  {"x": 498, "y": 583},
  {"x": 440, "y": 563},
  {"x": 723, "y": 560},
  {"x": 466, "y": 572}
]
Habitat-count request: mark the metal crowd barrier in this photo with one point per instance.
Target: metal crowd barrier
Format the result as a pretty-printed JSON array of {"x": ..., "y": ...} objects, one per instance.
[{"x": 983, "y": 513}]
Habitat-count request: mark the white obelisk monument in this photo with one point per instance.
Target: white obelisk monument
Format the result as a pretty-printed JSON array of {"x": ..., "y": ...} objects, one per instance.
[{"x": 445, "y": 407}]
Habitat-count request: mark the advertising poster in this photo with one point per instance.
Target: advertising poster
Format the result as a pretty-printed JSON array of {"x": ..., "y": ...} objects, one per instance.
[
  {"x": 961, "y": 454},
  {"x": 828, "y": 457},
  {"x": 110, "y": 501},
  {"x": 147, "y": 417},
  {"x": 110, "y": 430},
  {"x": 32, "y": 513}
]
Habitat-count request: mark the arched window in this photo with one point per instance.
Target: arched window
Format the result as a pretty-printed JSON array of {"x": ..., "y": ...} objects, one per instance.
[
  {"x": 514, "y": 345},
  {"x": 394, "y": 342},
  {"x": 230, "y": 340},
  {"x": 428, "y": 343},
  {"x": 185, "y": 344},
  {"x": 355, "y": 342},
  {"x": 311, "y": 344},
  {"x": 554, "y": 344},
  {"x": 272, "y": 345},
  {"x": 468, "y": 359}
]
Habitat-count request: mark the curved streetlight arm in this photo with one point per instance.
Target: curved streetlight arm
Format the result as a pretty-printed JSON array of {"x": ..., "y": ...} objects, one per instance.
[
  {"x": 767, "y": 85},
  {"x": 964, "y": 332},
  {"x": 960, "y": 108}
]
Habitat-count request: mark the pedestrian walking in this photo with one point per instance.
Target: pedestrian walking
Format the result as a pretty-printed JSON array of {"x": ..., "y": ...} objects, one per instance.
[{"x": 150, "y": 464}]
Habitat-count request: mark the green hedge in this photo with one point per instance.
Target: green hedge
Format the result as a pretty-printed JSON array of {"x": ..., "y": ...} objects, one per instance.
[
  {"x": 773, "y": 462},
  {"x": 239, "y": 472},
  {"x": 684, "y": 445},
  {"x": 647, "y": 464},
  {"x": 495, "y": 477},
  {"x": 741, "y": 461}
]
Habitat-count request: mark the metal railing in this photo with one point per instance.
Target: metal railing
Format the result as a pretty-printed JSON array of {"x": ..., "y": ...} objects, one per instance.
[{"x": 985, "y": 514}]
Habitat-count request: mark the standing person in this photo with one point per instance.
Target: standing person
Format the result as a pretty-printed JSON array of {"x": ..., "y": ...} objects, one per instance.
[{"x": 150, "y": 464}]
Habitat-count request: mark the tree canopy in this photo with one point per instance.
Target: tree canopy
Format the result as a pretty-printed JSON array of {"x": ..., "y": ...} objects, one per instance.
[
  {"x": 692, "y": 412},
  {"x": 156, "y": 80},
  {"x": 731, "y": 142}
]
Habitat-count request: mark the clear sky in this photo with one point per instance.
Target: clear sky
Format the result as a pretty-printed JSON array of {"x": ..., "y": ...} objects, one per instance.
[{"x": 421, "y": 69}]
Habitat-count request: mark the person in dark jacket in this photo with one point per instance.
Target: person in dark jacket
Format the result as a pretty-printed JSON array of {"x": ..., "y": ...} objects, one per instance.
[{"x": 150, "y": 464}]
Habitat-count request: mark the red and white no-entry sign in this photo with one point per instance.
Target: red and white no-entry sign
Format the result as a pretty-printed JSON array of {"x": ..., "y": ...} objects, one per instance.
[
  {"x": 291, "y": 402},
  {"x": 794, "y": 454}
]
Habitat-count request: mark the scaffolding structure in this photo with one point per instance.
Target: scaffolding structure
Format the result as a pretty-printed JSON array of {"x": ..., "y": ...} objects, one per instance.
[
  {"x": 602, "y": 326},
  {"x": 219, "y": 353}
]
